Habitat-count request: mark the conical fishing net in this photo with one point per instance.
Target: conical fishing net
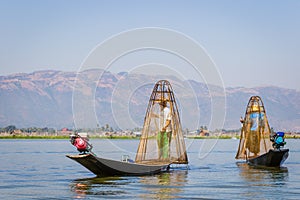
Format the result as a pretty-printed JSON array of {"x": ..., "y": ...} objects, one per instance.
[
  {"x": 162, "y": 139},
  {"x": 255, "y": 132}
]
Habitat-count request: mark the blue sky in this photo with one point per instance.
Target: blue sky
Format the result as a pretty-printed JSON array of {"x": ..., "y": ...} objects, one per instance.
[{"x": 253, "y": 43}]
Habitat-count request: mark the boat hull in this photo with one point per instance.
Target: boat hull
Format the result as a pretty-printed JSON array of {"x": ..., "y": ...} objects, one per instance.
[
  {"x": 107, "y": 167},
  {"x": 274, "y": 158}
]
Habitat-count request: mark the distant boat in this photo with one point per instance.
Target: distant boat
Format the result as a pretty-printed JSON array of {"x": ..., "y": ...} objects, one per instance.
[
  {"x": 158, "y": 147},
  {"x": 258, "y": 145}
]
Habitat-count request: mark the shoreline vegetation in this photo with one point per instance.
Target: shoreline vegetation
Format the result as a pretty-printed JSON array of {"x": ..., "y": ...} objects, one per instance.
[
  {"x": 107, "y": 132},
  {"x": 122, "y": 137},
  {"x": 118, "y": 135}
]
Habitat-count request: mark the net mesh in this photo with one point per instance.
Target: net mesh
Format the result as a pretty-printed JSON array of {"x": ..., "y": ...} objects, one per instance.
[
  {"x": 255, "y": 133},
  {"x": 158, "y": 144}
]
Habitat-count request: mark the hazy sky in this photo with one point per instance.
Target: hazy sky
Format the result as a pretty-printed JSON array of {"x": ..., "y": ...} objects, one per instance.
[{"x": 253, "y": 43}]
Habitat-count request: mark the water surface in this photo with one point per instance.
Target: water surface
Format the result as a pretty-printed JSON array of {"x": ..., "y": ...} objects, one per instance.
[{"x": 38, "y": 169}]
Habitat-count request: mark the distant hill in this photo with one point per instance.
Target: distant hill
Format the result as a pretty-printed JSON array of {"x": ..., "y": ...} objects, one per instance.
[{"x": 46, "y": 99}]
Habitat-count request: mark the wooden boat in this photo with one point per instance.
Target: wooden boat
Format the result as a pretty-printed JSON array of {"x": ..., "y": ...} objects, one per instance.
[
  {"x": 273, "y": 158},
  {"x": 107, "y": 167},
  {"x": 258, "y": 145},
  {"x": 158, "y": 148}
]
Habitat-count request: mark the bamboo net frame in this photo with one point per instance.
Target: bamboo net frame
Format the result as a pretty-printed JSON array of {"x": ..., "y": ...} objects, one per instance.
[
  {"x": 149, "y": 149},
  {"x": 255, "y": 132}
]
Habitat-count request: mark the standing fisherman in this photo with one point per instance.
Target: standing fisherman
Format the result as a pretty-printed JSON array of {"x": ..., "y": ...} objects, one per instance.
[{"x": 165, "y": 133}]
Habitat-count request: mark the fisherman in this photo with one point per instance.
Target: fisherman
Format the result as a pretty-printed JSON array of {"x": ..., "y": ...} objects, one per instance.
[
  {"x": 256, "y": 129},
  {"x": 165, "y": 133}
]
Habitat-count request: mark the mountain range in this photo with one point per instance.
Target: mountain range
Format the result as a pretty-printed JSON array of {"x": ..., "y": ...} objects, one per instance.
[{"x": 94, "y": 98}]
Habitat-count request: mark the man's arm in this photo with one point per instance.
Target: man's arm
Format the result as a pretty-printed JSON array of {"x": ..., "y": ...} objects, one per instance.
[{"x": 166, "y": 125}]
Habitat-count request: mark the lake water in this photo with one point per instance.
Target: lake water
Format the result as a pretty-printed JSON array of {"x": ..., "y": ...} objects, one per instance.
[{"x": 38, "y": 169}]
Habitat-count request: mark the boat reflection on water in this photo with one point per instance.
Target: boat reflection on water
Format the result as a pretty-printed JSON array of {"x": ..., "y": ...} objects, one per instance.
[
  {"x": 255, "y": 175},
  {"x": 80, "y": 189},
  {"x": 163, "y": 186},
  {"x": 97, "y": 186},
  {"x": 159, "y": 186}
]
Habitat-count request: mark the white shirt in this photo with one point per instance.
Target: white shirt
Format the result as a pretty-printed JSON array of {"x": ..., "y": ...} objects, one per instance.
[{"x": 166, "y": 115}]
